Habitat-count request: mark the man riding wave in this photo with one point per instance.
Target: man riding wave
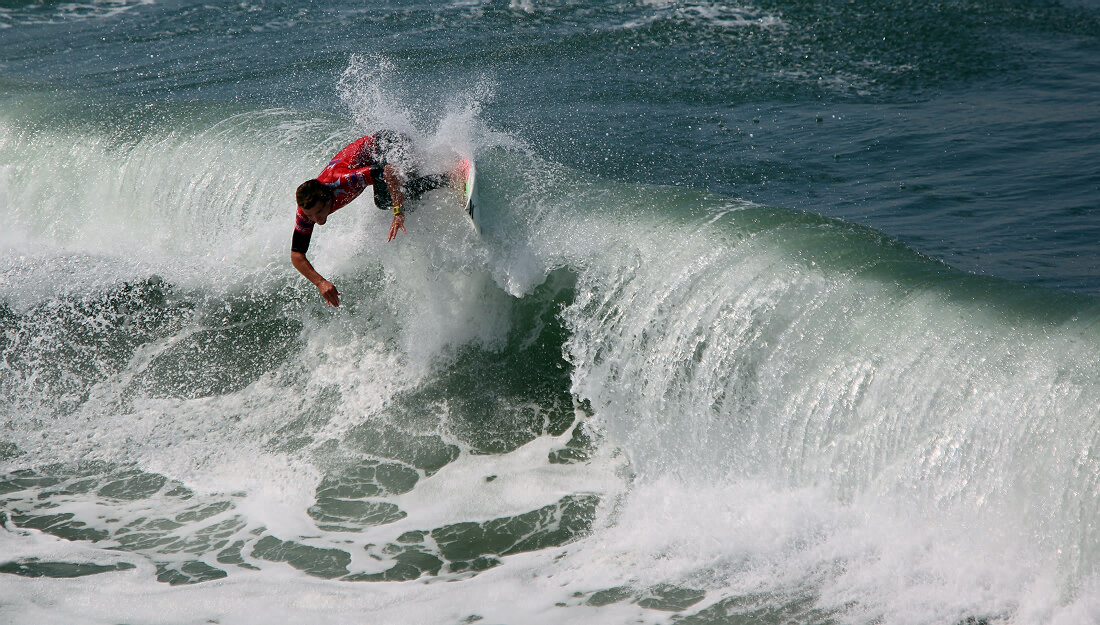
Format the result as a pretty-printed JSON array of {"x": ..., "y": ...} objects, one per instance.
[{"x": 382, "y": 160}]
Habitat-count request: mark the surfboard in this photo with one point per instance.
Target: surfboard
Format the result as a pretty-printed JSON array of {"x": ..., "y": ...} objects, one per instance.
[{"x": 467, "y": 184}]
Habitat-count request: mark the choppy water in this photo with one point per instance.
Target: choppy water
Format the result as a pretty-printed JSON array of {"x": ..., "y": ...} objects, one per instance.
[{"x": 784, "y": 312}]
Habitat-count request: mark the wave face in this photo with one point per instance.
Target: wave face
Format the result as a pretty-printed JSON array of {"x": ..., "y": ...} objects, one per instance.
[
  {"x": 624, "y": 401},
  {"x": 645, "y": 394}
]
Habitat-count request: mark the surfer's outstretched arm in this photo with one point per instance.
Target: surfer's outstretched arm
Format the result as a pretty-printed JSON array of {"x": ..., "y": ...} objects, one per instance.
[
  {"x": 395, "y": 182},
  {"x": 398, "y": 222},
  {"x": 327, "y": 289}
]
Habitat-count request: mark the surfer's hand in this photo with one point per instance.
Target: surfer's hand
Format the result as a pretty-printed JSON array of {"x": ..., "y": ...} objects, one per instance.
[
  {"x": 398, "y": 222},
  {"x": 329, "y": 292}
]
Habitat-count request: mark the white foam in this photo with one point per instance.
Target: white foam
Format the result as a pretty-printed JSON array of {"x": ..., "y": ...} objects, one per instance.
[{"x": 506, "y": 485}]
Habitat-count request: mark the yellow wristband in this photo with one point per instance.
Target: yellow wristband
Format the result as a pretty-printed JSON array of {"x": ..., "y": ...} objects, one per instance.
[{"x": 396, "y": 210}]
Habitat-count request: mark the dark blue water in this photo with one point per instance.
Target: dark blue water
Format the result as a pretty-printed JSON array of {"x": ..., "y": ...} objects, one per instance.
[
  {"x": 783, "y": 312},
  {"x": 967, "y": 130}
]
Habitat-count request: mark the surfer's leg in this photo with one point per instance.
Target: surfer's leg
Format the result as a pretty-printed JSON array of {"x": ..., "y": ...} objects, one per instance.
[
  {"x": 419, "y": 185},
  {"x": 382, "y": 197}
]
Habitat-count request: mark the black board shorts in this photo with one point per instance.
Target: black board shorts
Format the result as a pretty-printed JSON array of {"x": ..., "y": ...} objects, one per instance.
[{"x": 413, "y": 189}]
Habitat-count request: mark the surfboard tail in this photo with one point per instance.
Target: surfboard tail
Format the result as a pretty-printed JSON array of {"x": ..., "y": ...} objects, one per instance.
[{"x": 465, "y": 178}]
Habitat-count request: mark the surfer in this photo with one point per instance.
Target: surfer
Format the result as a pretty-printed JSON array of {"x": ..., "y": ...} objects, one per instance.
[{"x": 382, "y": 160}]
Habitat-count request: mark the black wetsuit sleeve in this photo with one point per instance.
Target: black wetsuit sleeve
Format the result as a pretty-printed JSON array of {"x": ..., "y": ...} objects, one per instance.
[
  {"x": 382, "y": 198},
  {"x": 300, "y": 242}
]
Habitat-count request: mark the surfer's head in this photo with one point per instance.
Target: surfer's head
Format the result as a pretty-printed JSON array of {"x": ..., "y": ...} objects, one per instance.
[{"x": 315, "y": 199}]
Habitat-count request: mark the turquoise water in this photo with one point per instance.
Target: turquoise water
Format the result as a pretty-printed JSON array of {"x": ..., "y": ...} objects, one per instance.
[{"x": 783, "y": 313}]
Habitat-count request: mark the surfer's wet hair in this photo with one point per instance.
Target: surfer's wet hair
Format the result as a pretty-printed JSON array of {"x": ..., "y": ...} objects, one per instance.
[{"x": 312, "y": 191}]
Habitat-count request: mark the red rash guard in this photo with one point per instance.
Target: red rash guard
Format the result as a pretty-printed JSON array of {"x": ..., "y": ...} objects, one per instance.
[{"x": 348, "y": 175}]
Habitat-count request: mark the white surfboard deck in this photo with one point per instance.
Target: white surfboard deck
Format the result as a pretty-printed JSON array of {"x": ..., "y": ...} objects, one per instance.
[{"x": 467, "y": 168}]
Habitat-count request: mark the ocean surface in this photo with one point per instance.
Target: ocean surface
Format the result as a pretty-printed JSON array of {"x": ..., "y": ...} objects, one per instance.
[{"x": 783, "y": 313}]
